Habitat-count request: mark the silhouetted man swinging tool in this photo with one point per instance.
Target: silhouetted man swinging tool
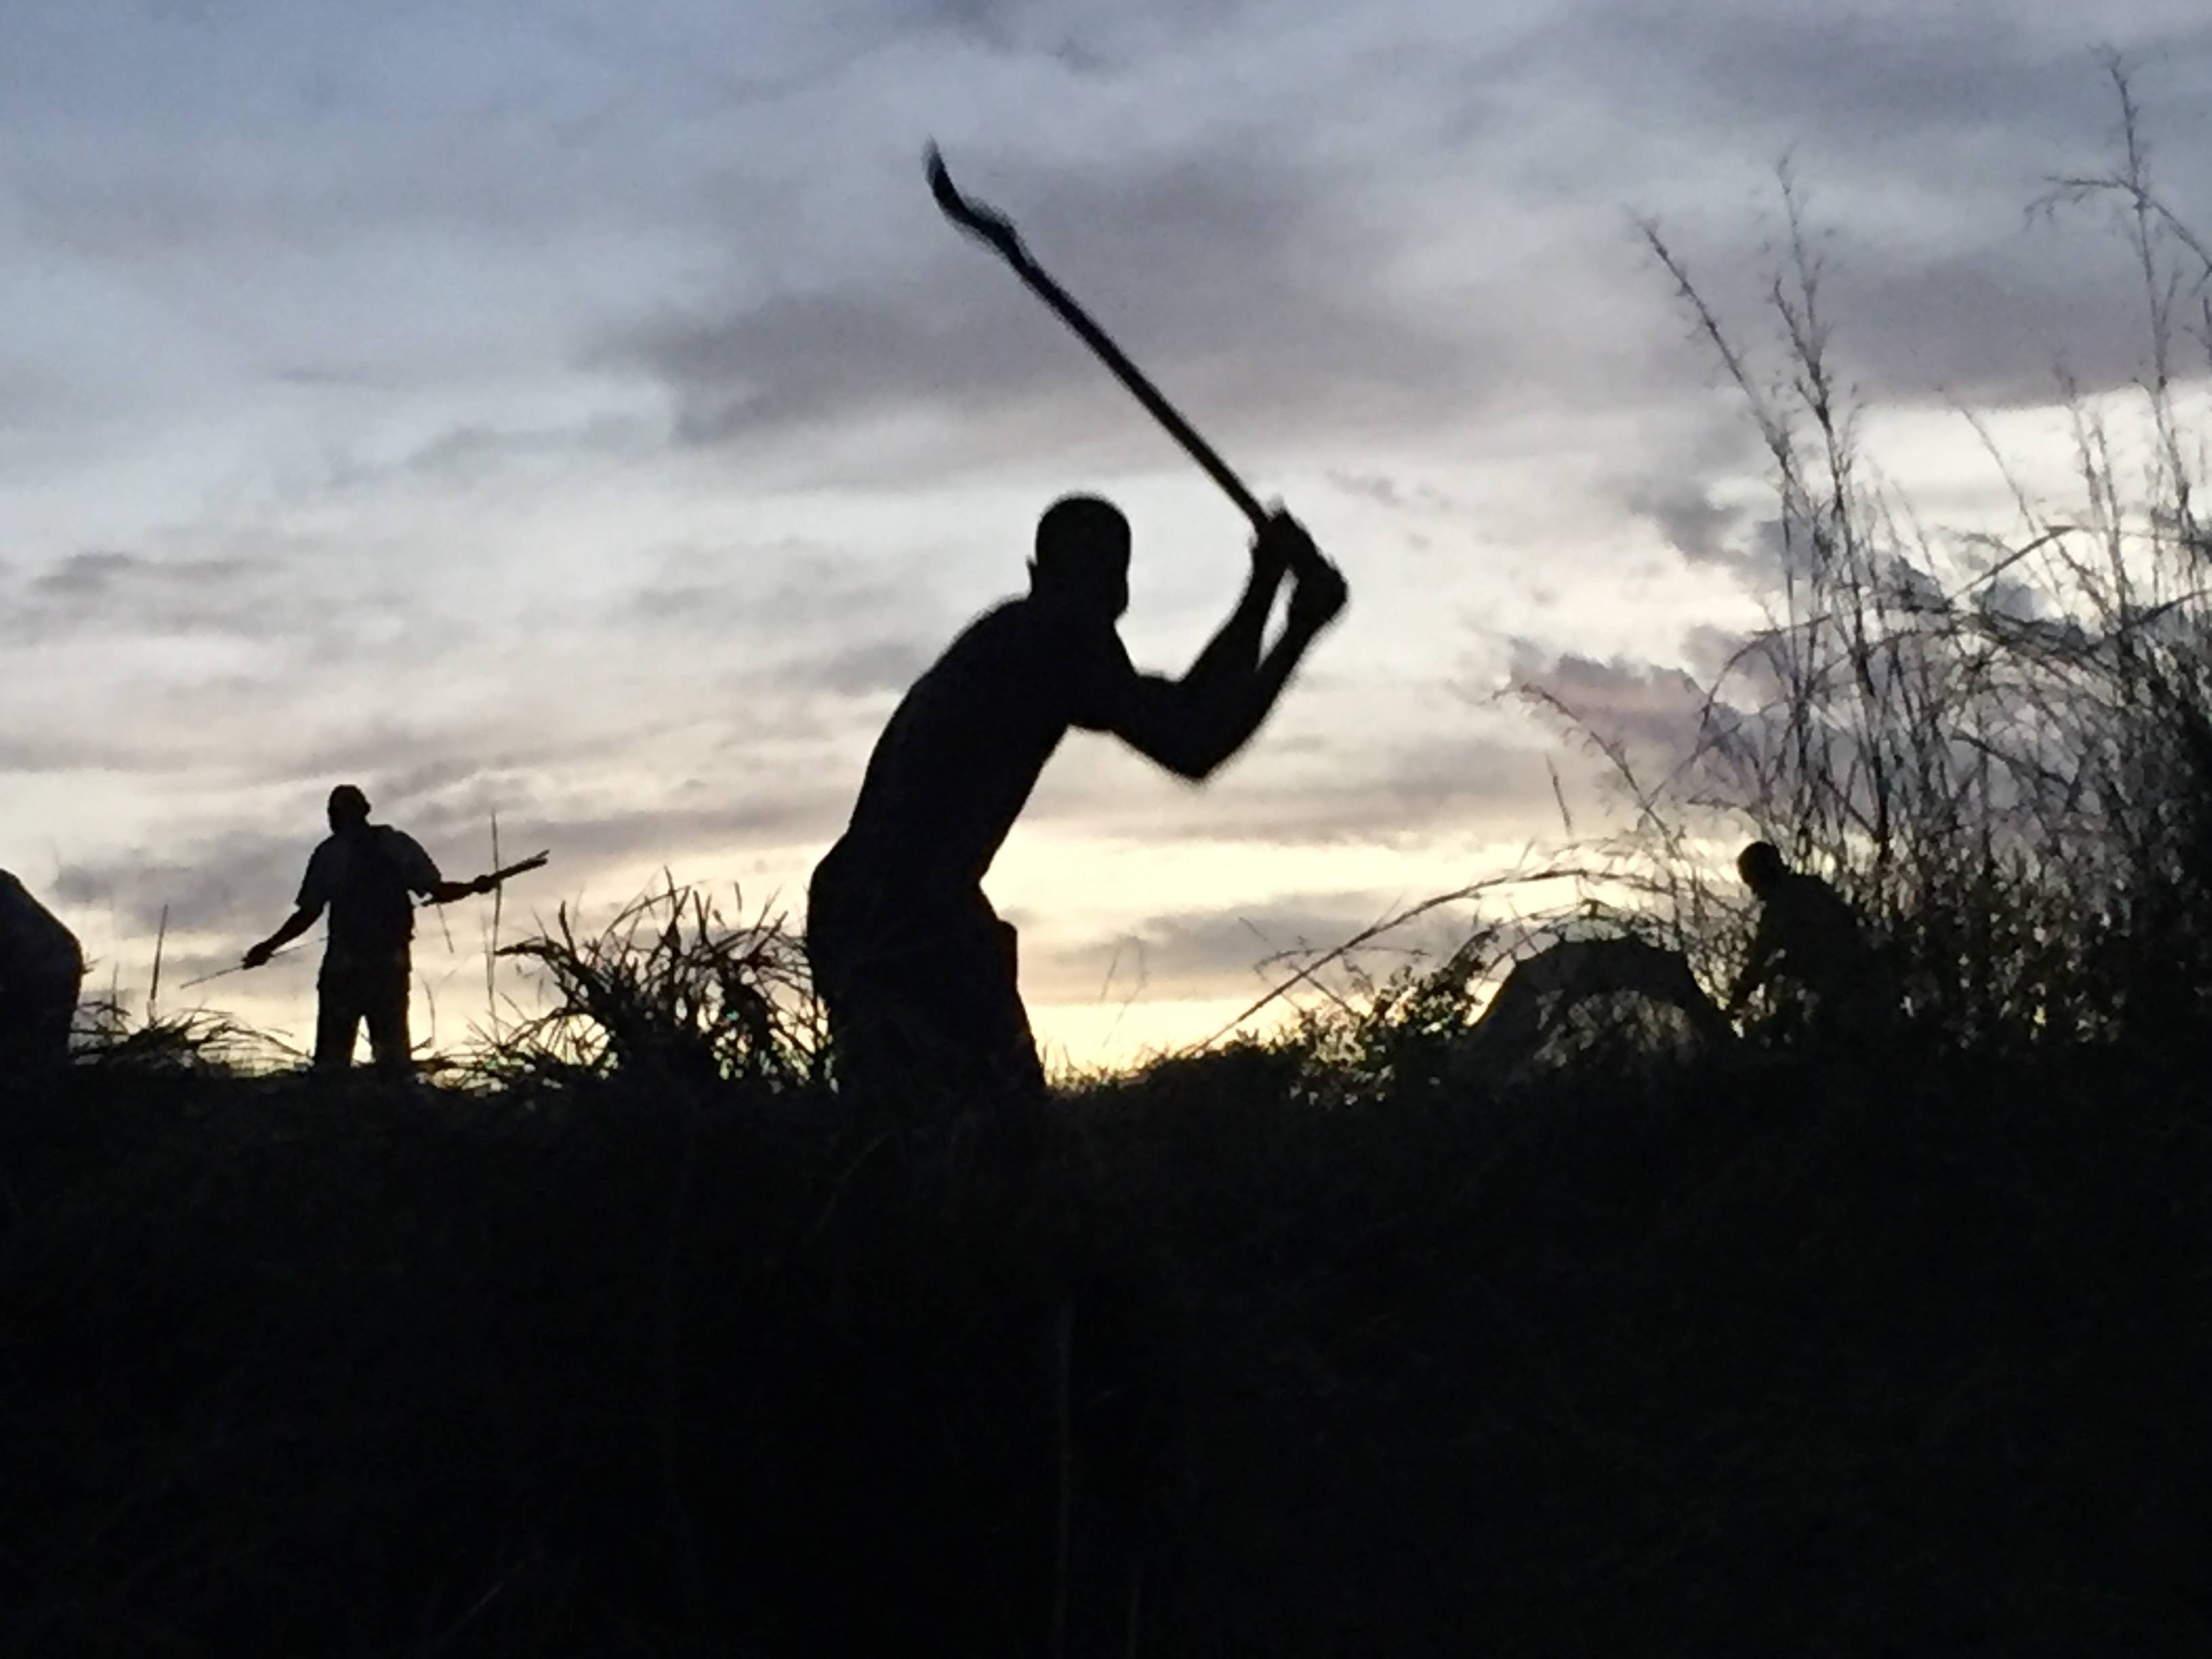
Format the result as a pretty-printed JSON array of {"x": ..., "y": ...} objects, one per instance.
[
  {"x": 365, "y": 874},
  {"x": 916, "y": 969}
]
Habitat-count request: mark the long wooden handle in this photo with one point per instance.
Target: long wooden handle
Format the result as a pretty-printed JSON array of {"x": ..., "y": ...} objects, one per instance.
[
  {"x": 535, "y": 861},
  {"x": 997, "y": 231}
]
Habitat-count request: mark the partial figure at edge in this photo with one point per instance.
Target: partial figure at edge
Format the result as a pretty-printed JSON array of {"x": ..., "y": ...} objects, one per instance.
[
  {"x": 366, "y": 875},
  {"x": 41, "y": 972},
  {"x": 915, "y": 969}
]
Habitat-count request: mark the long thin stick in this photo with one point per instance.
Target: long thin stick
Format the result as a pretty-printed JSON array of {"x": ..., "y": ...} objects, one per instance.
[
  {"x": 491, "y": 953},
  {"x": 998, "y": 231},
  {"x": 234, "y": 968},
  {"x": 154, "y": 986}
]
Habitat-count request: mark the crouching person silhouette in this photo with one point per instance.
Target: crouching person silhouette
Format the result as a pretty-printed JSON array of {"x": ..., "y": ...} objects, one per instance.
[
  {"x": 1811, "y": 940},
  {"x": 365, "y": 874},
  {"x": 916, "y": 970}
]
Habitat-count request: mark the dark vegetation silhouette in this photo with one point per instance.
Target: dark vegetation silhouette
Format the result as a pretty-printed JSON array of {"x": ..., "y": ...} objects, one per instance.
[{"x": 624, "y": 1338}]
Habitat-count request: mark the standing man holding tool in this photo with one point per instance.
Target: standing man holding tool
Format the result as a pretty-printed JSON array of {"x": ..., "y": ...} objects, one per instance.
[
  {"x": 916, "y": 969},
  {"x": 366, "y": 875}
]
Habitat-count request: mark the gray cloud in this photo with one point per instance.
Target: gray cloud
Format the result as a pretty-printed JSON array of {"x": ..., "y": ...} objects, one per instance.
[
  {"x": 477, "y": 451},
  {"x": 399, "y": 761},
  {"x": 1618, "y": 701},
  {"x": 1704, "y": 531},
  {"x": 1399, "y": 495},
  {"x": 1397, "y": 792},
  {"x": 871, "y": 667},
  {"x": 1211, "y": 953},
  {"x": 1872, "y": 81},
  {"x": 819, "y": 631},
  {"x": 996, "y": 23},
  {"x": 1712, "y": 651},
  {"x": 583, "y": 839},
  {"x": 795, "y": 590},
  {"x": 1694, "y": 523},
  {"x": 1999, "y": 324},
  {"x": 1921, "y": 139},
  {"x": 237, "y": 882},
  {"x": 292, "y": 594},
  {"x": 1224, "y": 267},
  {"x": 2011, "y": 319},
  {"x": 108, "y": 589},
  {"x": 72, "y": 750}
]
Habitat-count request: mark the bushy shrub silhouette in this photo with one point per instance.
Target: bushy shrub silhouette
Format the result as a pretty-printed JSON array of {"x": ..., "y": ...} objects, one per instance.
[{"x": 669, "y": 987}]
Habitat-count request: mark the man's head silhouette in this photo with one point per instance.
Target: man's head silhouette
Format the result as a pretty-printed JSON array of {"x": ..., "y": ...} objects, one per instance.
[
  {"x": 1083, "y": 555},
  {"x": 1761, "y": 865},
  {"x": 348, "y": 809}
]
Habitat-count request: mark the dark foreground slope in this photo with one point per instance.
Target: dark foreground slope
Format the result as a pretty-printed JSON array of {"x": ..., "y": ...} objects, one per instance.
[{"x": 1778, "y": 1358}]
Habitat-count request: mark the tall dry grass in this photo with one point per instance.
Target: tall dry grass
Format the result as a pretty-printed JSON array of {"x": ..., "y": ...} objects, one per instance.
[{"x": 1998, "y": 745}]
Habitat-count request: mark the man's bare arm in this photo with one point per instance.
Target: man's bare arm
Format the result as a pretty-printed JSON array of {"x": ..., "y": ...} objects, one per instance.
[
  {"x": 1235, "y": 649},
  {"x": 1757, "y": 966},
  {"x": 1194, "y": 725},
  {"x": 295, "y": 925},
  {"x": 444, "y": 893}
]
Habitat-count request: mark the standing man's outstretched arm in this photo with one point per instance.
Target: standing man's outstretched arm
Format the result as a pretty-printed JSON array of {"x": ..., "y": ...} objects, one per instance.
[
  {"x": 1193, "y": 725},
  {"x": 297, "y": 923}
]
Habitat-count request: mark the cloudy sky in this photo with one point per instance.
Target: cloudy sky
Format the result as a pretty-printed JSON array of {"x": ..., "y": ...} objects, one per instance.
[{"x": 580, "y": 412}]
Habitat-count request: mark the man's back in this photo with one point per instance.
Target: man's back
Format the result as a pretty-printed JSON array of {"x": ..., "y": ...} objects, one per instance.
[
  {"x": 1814, "y": 928},
  {"x": 957, "y": 760},
  {"x": 366, "y": 877}
]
